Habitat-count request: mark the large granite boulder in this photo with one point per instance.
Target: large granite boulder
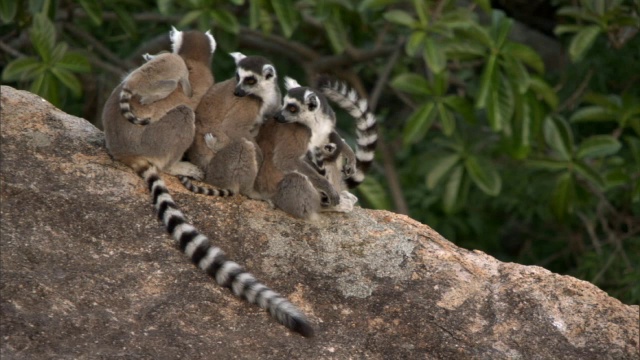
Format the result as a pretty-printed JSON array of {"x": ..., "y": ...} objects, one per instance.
[{"x": 87, "y": 272}]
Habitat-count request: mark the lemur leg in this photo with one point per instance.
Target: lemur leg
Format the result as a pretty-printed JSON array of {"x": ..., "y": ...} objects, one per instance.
[{"x": 296, "y": 196}]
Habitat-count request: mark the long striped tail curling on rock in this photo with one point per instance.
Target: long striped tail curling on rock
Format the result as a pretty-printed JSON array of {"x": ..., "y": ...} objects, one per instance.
[{"x": 212, "y": 260}]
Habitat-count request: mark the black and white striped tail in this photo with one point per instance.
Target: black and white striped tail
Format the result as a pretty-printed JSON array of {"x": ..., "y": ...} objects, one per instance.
[
  {"x": 212, "y": 260},
  {"x": 125, "y": 108},
  {"x": 203, "y": 189},
  {"x": 366, "y": 125}
]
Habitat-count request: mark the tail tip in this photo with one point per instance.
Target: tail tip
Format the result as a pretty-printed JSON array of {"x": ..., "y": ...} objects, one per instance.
[{"x": 302, "y": 327}]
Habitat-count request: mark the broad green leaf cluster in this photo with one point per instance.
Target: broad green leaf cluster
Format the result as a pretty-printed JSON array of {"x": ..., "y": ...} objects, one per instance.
[{"x": 529, "y": 151}]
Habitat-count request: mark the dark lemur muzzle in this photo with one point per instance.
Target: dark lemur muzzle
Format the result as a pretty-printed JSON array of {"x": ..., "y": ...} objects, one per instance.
[
  {"x": 280, "y": 118},
  {"x": 239, "y": 92}
]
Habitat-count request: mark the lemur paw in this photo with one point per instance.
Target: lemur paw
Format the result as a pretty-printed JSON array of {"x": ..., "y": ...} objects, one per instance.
[
  {"x": 210, "y": 140},
  {"x": 187, "y": 169},
  {"x": 348, "y": 171}
]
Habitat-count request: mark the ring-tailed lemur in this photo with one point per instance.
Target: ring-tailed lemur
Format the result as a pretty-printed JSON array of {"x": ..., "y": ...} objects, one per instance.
[
  {"x": 366, "y": 126},
  {"x": 227, "y": 121},
  {"x": 155, "y": 80},
  {"x": 158, "y": 147},
  {"x": 303, "y": 124}
]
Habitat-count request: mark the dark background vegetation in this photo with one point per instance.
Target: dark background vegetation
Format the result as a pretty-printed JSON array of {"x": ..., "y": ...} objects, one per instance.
[{"x": 508, "y": 126}]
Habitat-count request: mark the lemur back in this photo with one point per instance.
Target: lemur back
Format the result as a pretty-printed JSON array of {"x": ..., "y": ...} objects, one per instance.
[
  {"x": 227, "y": 121},
  {"x": 156, "y": 81},
  {"x": 158, "y": 146}
]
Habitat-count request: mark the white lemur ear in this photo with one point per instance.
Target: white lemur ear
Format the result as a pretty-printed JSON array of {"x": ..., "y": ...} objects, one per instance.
[
  {"x": 212, "y": 41},
  {"x": 268, "y": 71},
  {"x": 176, "y": 39},
  {"x": 148, "y": 56},
  {"x": 237, "y": 56},
  {"x": 311, "y": 99},
  {"x": 290, "y": 83}
]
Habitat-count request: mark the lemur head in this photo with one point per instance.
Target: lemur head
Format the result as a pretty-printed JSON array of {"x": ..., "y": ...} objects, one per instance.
[
  {"x": 256, "y": 76},
  {"x": 193, "y": 45},
  {"x": 306, "y": 106}
]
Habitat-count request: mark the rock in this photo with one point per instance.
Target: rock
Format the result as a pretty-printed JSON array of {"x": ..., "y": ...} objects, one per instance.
[{"x": 88, "y": 272}]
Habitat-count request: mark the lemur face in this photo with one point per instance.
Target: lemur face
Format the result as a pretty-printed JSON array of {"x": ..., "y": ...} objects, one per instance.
[
  {"x": 254, "y": 76},
  {"x": 304, "y": 106}
]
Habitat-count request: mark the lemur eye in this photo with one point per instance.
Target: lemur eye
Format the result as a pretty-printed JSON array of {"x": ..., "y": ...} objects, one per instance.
[
  {"x": 250, "y": 81},
  {"x": 292, "y": 108}
]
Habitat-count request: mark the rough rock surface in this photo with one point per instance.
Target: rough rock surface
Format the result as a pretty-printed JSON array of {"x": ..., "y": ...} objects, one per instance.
[{"x": 88, "y": 273}]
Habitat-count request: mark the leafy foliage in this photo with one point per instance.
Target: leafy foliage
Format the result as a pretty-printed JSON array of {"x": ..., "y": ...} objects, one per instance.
[{"x": 487, "y": 138}]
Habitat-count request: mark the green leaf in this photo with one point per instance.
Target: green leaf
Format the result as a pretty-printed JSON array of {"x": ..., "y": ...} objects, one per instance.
[
  {"x": 400, "y": 17},
  {"x": 58, "y": 52},
  {"x": 75, "y": 62},
  {"x": 583, "y": 41},
  {"x": 22, "y": 69},
  {"x": 543, "y": 90},
  {"x": 190, "y": 17},
  {"x": 484, "y": 175},
  {"x": 616, "y": 177},
  {"x": 463, "y": 50},
  {"x": 588, "y": 173},
  {"x": 374, "y": 193},
  {"x": 8, "y": 11},
  {"x": 525, "y": 54},
  {"x": 441, "y": 167},
  {"x": 500, "y": 105},
  {"x": 452, "y": 190},
  {"x": 517, "y": 73},
  {"x": 567, "y": 29},
  {"x": 287, "y": 16},
  {"x": 460, "y": 106},
  {"x": 422, "y": 11},
  {"x": 255, "y": 9},
  {"x": 69, "y": 80},
  {"x": 225, "y": 20},
  {"x": 484, "y": 4},
  {"x": 479, "y": 34},
  {"x": 93, "y": 9},
  {"x": 336, "y": 34},
  {"x": 43, "y": 36},
  {"x": 411, "y": 83},
  {"x": 558, "y": 136},
  {"x": 546, "y": 164},
  {"x": 593, "y": 113},
  {"x": 419, "y": 123},
  {"x": 598, "y": 145},
  {"x": 521, "y": 126},
  {"x": 165, "y": 6},
  {"x": 446, "y": 119},
  {"x": 46, "y": 86},
  {"x": 500, "y": 27},
  {"x": 415, "y": 42},
  {"x": 126, "y": 20},
  {"x": 563, "y": 196},
  {"x": 634, "y": 145},
  {"x": 373, "y": 5},
  {"x": 487, "y": 82},
  {"x": 434, "y": 56}
]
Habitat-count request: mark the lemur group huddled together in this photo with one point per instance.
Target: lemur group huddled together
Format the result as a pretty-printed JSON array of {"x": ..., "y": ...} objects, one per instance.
[{"x": 240, "y": 136}]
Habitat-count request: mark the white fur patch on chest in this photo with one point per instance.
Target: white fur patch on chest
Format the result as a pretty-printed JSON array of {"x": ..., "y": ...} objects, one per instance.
[{"x": 320, "y": 131}]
